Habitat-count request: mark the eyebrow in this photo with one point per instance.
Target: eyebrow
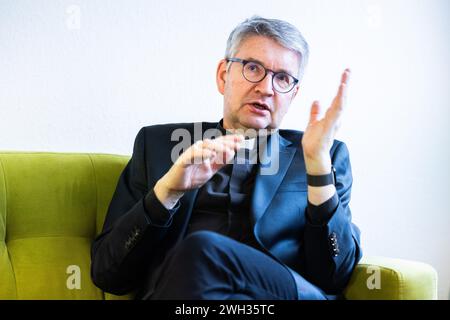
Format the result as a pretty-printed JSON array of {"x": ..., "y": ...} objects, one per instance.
[{"x": 260, "y": 62}]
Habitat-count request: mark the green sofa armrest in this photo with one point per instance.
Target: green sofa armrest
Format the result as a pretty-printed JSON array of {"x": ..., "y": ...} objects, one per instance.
[{"x": 380, "y": 278}]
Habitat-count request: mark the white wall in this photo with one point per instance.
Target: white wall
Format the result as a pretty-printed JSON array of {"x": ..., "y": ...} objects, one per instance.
[{"x": 86, "y": 75}]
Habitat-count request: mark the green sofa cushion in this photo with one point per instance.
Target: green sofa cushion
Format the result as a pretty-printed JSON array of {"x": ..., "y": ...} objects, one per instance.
[
  {"x": 398, "y": 280},
  {"x": 52, "y": 205}
]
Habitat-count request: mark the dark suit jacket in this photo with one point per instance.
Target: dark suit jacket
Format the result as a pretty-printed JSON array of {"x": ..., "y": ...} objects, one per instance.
[{"x": 134, "y": 242}]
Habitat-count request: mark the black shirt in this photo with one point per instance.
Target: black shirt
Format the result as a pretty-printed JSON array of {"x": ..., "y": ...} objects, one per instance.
[{"x": 223, "y": 203}]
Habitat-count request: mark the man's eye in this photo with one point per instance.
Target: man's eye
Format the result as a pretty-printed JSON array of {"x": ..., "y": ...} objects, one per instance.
[
  {"x": 282, "y": 77},
  {"x": 253, "y": 67}
]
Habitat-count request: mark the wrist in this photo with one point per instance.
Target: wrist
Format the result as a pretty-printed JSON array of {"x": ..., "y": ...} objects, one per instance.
[
  {"x": 319, "y": 195},
  {"x": 166, "y": 195},
  {"x": 318, "y": 166}
]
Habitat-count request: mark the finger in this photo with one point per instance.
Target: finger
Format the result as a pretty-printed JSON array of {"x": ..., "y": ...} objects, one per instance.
[
  {"x": 206, "y": 154},
  {"x": 346, "y": 76},
  {"x": 217, "y": 145},
  {"x": 224, "y": 158},
  {"x": 231, "y": 141},
  {"x": 197, "y": 155},
  {"x": 339, "y": 101},
  {"x": 314, "y": 113},
  {"x": 224, "y": 149},
  {"x": 337, "y": 107},
  {"x": 345, "y": 79},
  {"x": 343, "y": 87},
  {"x": 236, "y": 142},
  {"x": 220, "y": 149},
  {"x": 236, "y": 138},
  {"x": 231, "y": 148}
]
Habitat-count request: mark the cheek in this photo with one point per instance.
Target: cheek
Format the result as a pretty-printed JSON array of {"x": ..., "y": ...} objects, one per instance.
[
  {"x": 232, "y": 98},
  {"x": 234, "y": 92},
  {"x": 283, "y": 107},
  {"x": 278, "y": 116},
  {"x": 230, "y": 90}
]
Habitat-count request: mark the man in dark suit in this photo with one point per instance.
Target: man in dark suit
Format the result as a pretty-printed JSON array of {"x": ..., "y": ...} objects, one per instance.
[{"x": 238, "y": 209}]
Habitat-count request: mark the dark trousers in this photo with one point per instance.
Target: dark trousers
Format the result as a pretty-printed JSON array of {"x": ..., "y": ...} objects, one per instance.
[{"x": 207, "y": 265}]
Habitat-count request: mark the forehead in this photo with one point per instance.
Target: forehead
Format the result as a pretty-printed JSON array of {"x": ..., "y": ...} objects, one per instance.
[{"x": 272, "y": 54}]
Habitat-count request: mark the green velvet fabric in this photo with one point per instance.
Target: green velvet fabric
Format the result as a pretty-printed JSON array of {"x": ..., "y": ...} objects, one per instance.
[
  {"x": 53, "y": 204},
  {"x": 399, "y": 280},
  {"x": 51, "y": 207}
]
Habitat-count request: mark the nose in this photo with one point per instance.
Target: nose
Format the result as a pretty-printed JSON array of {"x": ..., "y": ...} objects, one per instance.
[{"x": 265, "y": 85}]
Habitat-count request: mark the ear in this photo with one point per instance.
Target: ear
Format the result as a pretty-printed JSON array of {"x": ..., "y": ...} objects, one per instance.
[{"x": 221, "y": 76}]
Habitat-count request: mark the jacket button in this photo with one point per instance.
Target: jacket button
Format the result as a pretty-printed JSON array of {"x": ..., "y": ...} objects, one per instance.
[{"x": 135, "y": 233}]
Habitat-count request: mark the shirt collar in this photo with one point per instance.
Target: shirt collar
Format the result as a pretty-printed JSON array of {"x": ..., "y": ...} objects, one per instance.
[{"x": 248, "y": 143}]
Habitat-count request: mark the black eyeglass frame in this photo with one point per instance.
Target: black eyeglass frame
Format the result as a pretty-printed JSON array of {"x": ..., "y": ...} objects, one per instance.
[{"x": 266, "y": 71}]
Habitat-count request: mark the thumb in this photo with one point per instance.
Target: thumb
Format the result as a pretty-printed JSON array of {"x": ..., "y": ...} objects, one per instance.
[{"x": 314, "y": 113}]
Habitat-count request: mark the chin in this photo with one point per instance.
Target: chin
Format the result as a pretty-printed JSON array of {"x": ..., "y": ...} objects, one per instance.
[{"x": 256, "y": 123}]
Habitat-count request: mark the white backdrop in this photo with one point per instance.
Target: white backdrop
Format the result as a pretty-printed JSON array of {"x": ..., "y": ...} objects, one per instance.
[{"x": 85, "y": 76}]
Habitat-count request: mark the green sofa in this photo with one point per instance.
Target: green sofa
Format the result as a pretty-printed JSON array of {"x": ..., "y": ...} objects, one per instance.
[{"x": 53, "y": 204}]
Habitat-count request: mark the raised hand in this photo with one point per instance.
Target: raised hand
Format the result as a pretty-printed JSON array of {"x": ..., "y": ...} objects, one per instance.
[{"x": 319, "y": 134}]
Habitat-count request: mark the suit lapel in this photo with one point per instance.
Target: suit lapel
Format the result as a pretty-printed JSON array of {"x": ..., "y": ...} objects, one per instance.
[{"x": 270, "y": 176}]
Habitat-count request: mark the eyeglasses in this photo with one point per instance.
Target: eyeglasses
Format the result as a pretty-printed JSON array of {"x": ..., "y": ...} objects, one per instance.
[{"x": 255, "y": 72}]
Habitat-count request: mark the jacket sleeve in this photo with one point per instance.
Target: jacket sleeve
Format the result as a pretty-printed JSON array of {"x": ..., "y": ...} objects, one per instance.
[
  {"x": 135, "y": 224},
  {"x": 331, "y": 240}
]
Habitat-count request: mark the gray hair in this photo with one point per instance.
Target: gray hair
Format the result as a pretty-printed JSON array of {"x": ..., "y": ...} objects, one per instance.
[{"x": 281, "y": 31}]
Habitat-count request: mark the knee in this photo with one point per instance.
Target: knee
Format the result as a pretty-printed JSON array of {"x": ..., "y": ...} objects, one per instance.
[{"x": 199, "y": 242}]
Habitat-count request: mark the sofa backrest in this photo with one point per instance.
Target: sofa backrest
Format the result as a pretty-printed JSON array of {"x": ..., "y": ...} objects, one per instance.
[{"x": 52, "y": 205}]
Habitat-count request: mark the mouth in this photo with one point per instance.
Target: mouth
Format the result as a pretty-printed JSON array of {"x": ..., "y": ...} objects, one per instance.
[{"x": 261, "y": 107}]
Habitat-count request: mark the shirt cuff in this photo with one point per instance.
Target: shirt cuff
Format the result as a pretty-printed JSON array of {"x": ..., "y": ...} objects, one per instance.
[
  {"x": 156, "y": 212},
  {"x": 321, "y": 214}
]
